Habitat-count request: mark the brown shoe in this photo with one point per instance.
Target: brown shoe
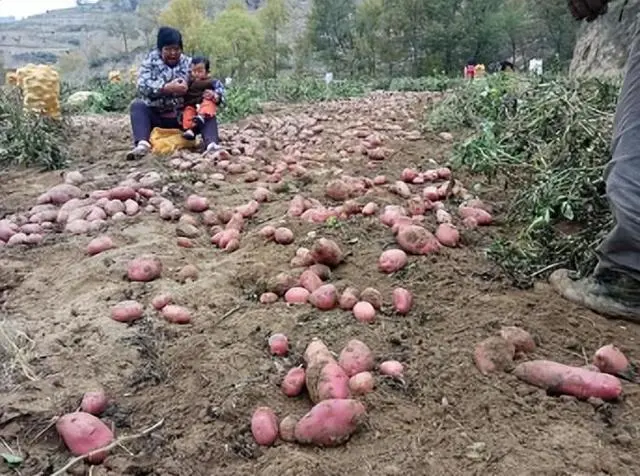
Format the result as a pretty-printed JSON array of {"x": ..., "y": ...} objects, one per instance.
[{"x": 609, "y": 293}]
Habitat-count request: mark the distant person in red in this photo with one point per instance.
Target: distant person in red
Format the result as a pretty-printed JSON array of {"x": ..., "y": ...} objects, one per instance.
[{"x": 470, "y": 69}]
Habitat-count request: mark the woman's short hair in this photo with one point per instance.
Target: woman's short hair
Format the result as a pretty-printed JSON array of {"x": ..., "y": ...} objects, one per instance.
[{"x": 168, "y": 36}]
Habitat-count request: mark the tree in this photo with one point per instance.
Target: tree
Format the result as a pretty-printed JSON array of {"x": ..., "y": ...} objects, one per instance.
[
  {"x": 331, "y": 31},
  {"x": 516, "y": 20},
  {"x": 124, "y": 27},
  {"x": 149, "y": 19},
  {"x": 188, "y": 16},
  {"x": 274, "y": 18}
]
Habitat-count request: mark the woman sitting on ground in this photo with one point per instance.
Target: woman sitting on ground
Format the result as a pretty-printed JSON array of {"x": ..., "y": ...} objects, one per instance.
[{"x": 162, "y": 85}]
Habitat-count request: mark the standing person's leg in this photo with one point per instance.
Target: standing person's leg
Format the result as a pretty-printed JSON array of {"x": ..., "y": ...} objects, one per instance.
[
  {"x": 614, "y": 287},
  {"x": 143, "y": 120}
]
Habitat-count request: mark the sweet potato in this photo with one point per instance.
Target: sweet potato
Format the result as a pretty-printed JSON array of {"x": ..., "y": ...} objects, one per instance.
[
  {"x": 370, "y": 209},
  {"x": 416, "y": 240},
  {"x": 281, "y": 283},
  {"x": 60, "y": 194},
  {"x": 261, "y": 195},
  {"x": 442, "y": 216},
  {"x": 361, "y": 383},
  {"x": 94, "y": 402},
  {"x": 293, "y": 382},
  {"x": 83, "y": 433},
  {"x": 197, "y": 204},
  {"x": 188, "y": 272},
  {"x": 560, "y": 379},
  {"x": 338, "y": 190},
  {"x": 288, "y": 428},
  {"x": 521, "y": 339},
  {"x": 122, "y": 193},
  {"x": 380, "y": 180},
  {"x": 144, "y": 268},
  {"x": 264, "y": 426},
  {"x": 325, "y": 379},
  {"x": 392, "y": 260},
  {"x": 236, "y": 222},
  {"x": 364, "y": 312},
  {"x": 494, "y": 354},
  {"x": 356, "y": 357},
  {"x": 392, "y": 368},
  {"x": 349, "y": 299},
  {"x": 402, "y": 300},
  {"x": 183, "y": 242},
  {"x": 408, "y": 175},
  {"x": 401, "y": 189},
  {"x": 283, "y": 236},
  {"x": 249, "y": 209},
  {"x": 161, "y": 301},
  {"x": 310, "y": 280},
  {"x": 448, "y": 235},
  {"x": 322, "y": 270},
  {"x": 279, "y": 345},
  {"x": 610, "y": 360},
  {"x": 324, "y": 298},
  {"x": 99, "y": 244},
  {"x": 176, "y": 314},
  {"x": 327, "y": 252},
  {"x": 127, "y": 311},
  {"x": 431, "y": 193},
  {"x": 267, "y": 232},
  {"x": 296, "y": 206},
  {"x": 297, "y": 295},
  {"x": 268, "y": 298},
  {"x": 480, "y": 216},
  {"x": 373, "y": 297},
  {"x": 330, "y": 422}
]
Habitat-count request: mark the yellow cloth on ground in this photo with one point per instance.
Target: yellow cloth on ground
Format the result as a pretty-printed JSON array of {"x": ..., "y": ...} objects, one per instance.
[{"x": 167, "y": 141}]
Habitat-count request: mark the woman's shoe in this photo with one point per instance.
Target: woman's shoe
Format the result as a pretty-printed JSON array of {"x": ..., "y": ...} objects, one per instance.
[
  {"x": 189, "y": 134},
  {"x": 140, "y": 150}
]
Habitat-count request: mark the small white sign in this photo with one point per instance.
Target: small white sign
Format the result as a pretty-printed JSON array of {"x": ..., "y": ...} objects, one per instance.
[
  {"x": 328, "y": 78},
  {"x": 227, "y": 81},
  {"x": 535, "y": 66}
]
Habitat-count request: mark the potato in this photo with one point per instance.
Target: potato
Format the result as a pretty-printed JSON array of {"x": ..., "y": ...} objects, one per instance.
[
  {"x": 6, "y": 230},
  {"x": 416, "y": 240},
  {"x": 448, "y": 235},
  {"x": 370, "y": 209},
  {"x": 249, "y": 209},
  {"x": 283, "y": 236},
  {"x": 236, "y": 222},
  {"x": 325, "y": 379},
  {"x": 94, "y": 402},
  {"x": 144, "y": 268},
  {"x": 146, "y": 192},
  {"x": 262, "y": 195},
  {"x": 443, "y": 216},
  {"x": 563, "y": 379},
  {"x": 330, "y": 422},
  {"x": 364, "y": 312},
  {"x": 77, "y": 227},
  {"x": 302, "y": 258},
  {"x": 409, "y": 175},
  {"x": 391, "y": 214},
  {"x": 281, "y": 283},
  {"x": 98, "y": 213},
  {"x": 476, "y": 203},
  {"x": 183, "y": 242},
  {"x": 356, "y": 357},
  {"x": 226, "y": 236},
  {"x": 268, "y": 298},
  {"x": 338, "y": 190},
  {"x": 373, "y": 297},
  {"x": 293, "y": 382},
  {"x": 267, "y": 232},
  {"x": 288, "y": 428},
  {"x": 361, "y": 383},
  {"x": 83, "y": 433},
  {"x": 122, "y": 193},
  {"x": 402, "y": 300},
  {"x": 610, "y": 360},
  {"x": 521, "y": 339},
  {"x": 480, "y": 216},
  {"x": 197, "y": 204},
  {"x": 392, "y": 368},
  {"x": 224, "y": 215},
  {"x": 323, "y": 271},
  {"x": 310, "y": 280},
  {"x": 279, "y": 345},
  {"x": 431, "y": 193},
  {"x": 380, "y": 180},
  {"x": 392, "y": 260},
  {"x": 296, "y": 206},
  {"x": 60, "y": 194},
  {"x": 494, "y": 354},
  {"x": 470, "y": 223},
  {"x": 99, "y": 244},
  {"x": 176, "y": 314},
  {"x": 324, "y": 298},
  {"x": 349, "y": 299},
  {"x": 297, "y": 295},
  {"x": 416, "y": 206},
  {"x": 127, "y": 311},
  {"x": 327, "y": 252},
  {"x": 401, "y": 189},
  {"x": 161, "y": 301},
  {"x": 264, "y": 426},
  {"x": 401, "y": 222},
  {"x": 188, "y": 273},
  {"x": 232, "y": 245}
]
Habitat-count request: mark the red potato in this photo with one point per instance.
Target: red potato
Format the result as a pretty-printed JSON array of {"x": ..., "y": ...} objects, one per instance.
[
  {"x": 416, "y": 240},
  {"x": 161, "y": 301},
  {"x": 236, "y": 222},
  {"x": 188, "y": 272},
  {"x": 392, "y": 260},
  {"x": 323, "y": 271},
  {"x": 402, "y": 300},
  {"x": 480, "y": 216},
  {"x": 225, "y": 237},
  {"x": 370, "y": 209},
  {"x": 98, "y": 213},
  {"x": 225, "y": 215},
  {"x": 304, "y": 257},
  {"x": 268, "y": 298},
  {"x": 477, "y": 203},
  {"x": 310, "y": 280},
  {"x": 356, "y": 357},
  {"x": 60, "y": 194},
  {"x": 327, "y": 252},
  {"x": 563, "y": 379},
  {"x": 391, "y": 214},
  {"x": 351, "y": 207},
  {"x": 330, "y": 423},
  {"x": 283, "y": 236},
  {"x": 400, "y": 223},
  {"x": 83, "y": 433},
  {"x": 610, "y": 360},
  {"x": 416, "y": 206},
  {"x": 197, "y": 204},
  {"x": 392, "y": 368},
  {"x": 264, "y": 426},
  {"x": 494, "y": 354},
  {"x": 127, "y": 311},
  {"x": 373, "y": 297},
  {"x": 144, "y": 268},
  {"x": 431, "y": 193},
  {"x": 377, "y": 154},
  {"x": 324, "y": 298},
  {"x": 288, "y": 428},
  {"x": 401, "y": 189},
  {"x": 297, "y": 206},
  {"x": 30, "y": 228},
  {"x": 262, "y": 195},
  {"x": 349, "y": 299},
  {"x": 94, "y": 402},
  {"x": 122, "y": 193},
  {"x": 409, "y": 175},
  {"x": 176, "y": 314},
  {"x": 521, "y": 339},
  {"x": 380, "y": 180},
  {"x": 251, "y": 176},
  {"x": 281, "y": 283},
  {"x": 183, "y": 242},
  {"x": 209, "y": 218},
  {"x": 338, "y": 190},
  {"x": 78, "y": 227},
  {"x": 448, "y": 235},
  {"x": 268, "y": 232},
  {"x": 470, "y": 223},
  {"x": 236, "y": 168},
  {"x": 279, "y": 345},
  {"x": 249, "y": 209},
  {"x": 99, "y": 245},
  {"x": 364, "y": 312},
  {"x": 443, "y": 216},
  {"x": 444, "y": 173},
  {"x": 362, "y": 383},
  {"x": 325, "y": 379},
  {"x": 293, "y": 382},
  {"x": 297, "y": 296},
  {"x": 591, "y": 367},
  {"x": 6, "y": 230},
  {"x": 146, "y": 192},
  {"x": 232, "y": 245}
]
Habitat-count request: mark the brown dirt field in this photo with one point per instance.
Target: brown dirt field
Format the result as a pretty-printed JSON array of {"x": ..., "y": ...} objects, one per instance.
[{"x": 205, "y": 379}]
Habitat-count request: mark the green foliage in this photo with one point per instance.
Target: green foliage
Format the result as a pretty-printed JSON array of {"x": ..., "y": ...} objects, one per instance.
[
  {"x": 188, "y": 16},
  {"x": 28, "y": 139},
  {"x": 547, "y": 142},
  {"x": 113, "y": 97}
]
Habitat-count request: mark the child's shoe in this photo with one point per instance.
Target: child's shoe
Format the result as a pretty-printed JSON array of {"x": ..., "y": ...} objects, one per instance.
[{"x": 189, "y": 135}]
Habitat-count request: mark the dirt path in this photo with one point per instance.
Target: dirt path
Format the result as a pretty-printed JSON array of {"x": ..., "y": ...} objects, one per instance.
[{"x": 205, "y": 379}]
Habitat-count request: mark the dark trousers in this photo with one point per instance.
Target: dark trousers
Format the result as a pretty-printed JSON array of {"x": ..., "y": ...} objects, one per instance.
[{"x": 145, "y": 118}]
